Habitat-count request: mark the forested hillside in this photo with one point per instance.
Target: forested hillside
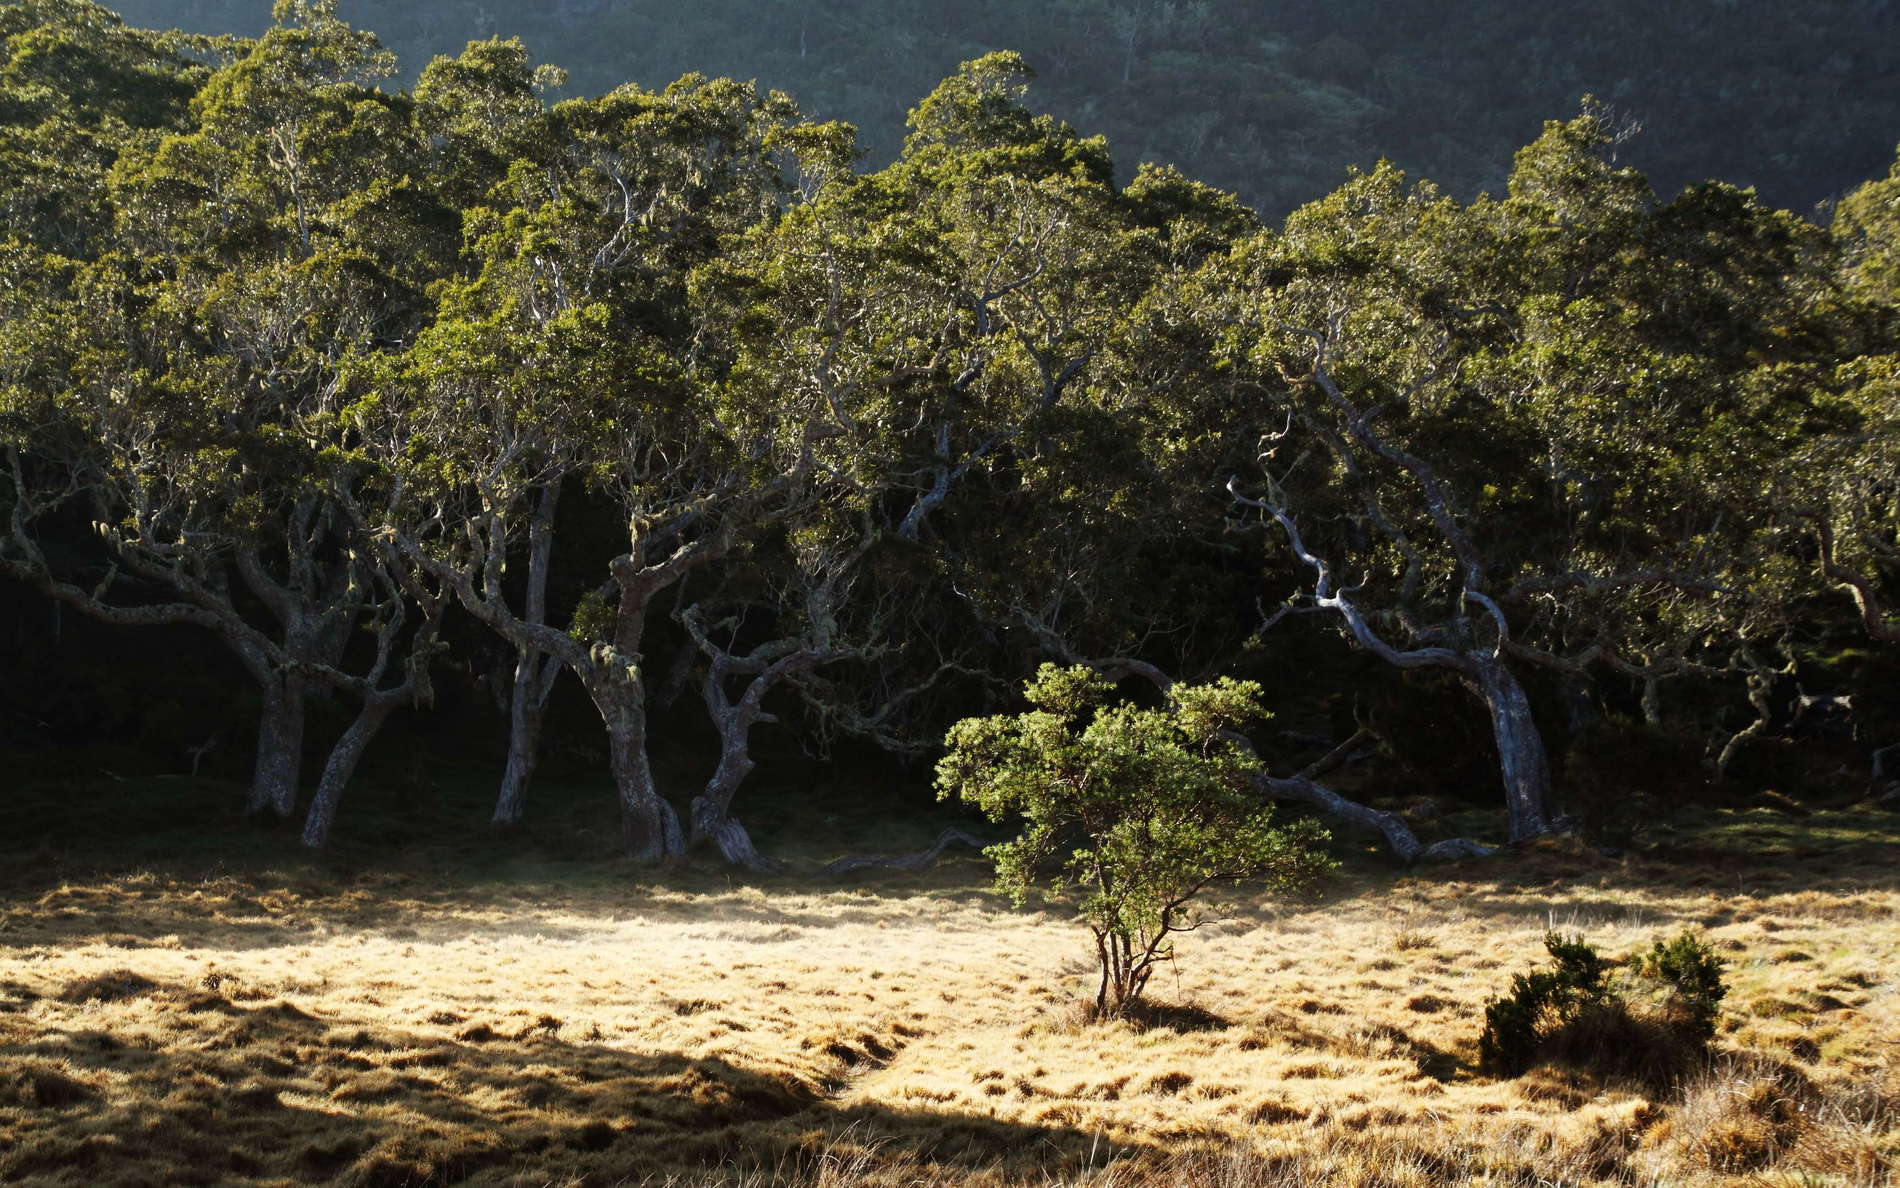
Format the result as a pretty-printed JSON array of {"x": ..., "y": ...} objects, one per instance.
[{"x": 1272, "y": 101}]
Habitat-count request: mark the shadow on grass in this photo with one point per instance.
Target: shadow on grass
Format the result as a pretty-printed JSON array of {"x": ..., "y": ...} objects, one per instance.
[
  {"x": 269, "y": 907},
  {"x": 236, "y": 1093},
  {"x": 128, "y": 863},
  {"x": 1749, "y": 852},
  {"x": 1180, "y": 1018},
  {"x": 132, "y": 863}
]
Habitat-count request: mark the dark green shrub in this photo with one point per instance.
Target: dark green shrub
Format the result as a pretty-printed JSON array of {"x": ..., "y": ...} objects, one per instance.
[
  {"x": 1541, "y": 1003},
  {"x": 1572, "y": 1014},
  {"x": 1692, "y": 975}
]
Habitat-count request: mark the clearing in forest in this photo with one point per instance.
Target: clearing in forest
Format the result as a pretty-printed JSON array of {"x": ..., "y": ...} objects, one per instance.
[{"x": 560, "y": 1021}]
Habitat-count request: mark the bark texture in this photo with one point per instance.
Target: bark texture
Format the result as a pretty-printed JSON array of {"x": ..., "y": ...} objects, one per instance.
[
  {"x": 535, "y": 670},
  {"x": 341, "y": 767},
  {"x": 735, "y": 844},
  {"x": 1522, "y": 761},
  {"x": 643, "y": 825},
  {"x": 535, "y": 675},
  {"x": 274, "y": 778}
]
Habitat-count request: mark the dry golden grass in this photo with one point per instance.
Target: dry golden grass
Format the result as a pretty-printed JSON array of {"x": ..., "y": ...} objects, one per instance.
[{"x": 389, "y": 1028}]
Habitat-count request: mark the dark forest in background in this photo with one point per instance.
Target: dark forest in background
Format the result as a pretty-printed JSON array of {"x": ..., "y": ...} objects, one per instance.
[{"x": 1269, "y": 99}]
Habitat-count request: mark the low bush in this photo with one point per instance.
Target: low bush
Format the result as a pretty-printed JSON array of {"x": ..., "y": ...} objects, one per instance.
[
  {"x": 1541, "y": 1004},
  {"x": 1690, "y": 974},
  {"x": 1654, "y": 1022}
]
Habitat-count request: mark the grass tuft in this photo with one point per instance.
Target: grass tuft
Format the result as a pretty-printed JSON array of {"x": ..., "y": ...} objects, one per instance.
[{"x": 114, "y": 985}]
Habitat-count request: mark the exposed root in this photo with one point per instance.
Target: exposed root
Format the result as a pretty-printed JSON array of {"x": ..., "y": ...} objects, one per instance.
[
  {"x": 917, "y": 861},
  {"x": 735, "y": 846},
  {"x": 1398, "y": 835}
]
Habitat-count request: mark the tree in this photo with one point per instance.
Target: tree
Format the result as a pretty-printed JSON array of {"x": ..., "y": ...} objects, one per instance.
[
  {"x": 1867, "y": 226},
  {"x": 903, "y": 340},
  {"x": 959, "y": 320},
  {"x": 77, "y": 88},
  {"x": 1850, "y": 498},
  {"x": 180, "y": 390},
  {"x": 485, "y": 114},
  {"x": 1134, "y": 811},
  {"x": 1539, "y": 431},
  {"x": 1847, "y": 501},
  {"x": 568, "y": 358},
  {"x": 799, "y": 589}
]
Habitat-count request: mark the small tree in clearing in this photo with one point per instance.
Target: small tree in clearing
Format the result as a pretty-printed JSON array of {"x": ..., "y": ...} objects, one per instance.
[{"x": 1136, "y": 811}]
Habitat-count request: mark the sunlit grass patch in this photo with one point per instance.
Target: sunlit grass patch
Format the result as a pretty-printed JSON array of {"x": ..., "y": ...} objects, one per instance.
[{"x": 423, "y": 1022}]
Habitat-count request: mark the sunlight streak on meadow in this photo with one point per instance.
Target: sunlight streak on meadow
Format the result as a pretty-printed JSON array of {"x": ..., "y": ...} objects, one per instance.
[{"x": 390, "y": 1032}]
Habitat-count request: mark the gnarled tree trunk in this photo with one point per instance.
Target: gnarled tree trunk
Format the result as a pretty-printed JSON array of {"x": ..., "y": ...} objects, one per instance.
[
  {"x": 1399, "y": 838},
  {"x": 713, "y": 804},
  {"x": 733, "y": 842},
  {"x": 710, "y": 814},
  {"x": 378, "y": 701},
  {"x": 709, "y": 817},
  {"x": 535, "y": 675},
  {"x": 341, "y": 766},
  {"x": 649, "y": 829},
  {"x": 535, "y": 671},
  {"x": 314, "y": 611},
  {"x": 1398, "y": 835},
  {"x": 1522, "y": 761},
  {"x": 274, "y": 778}
]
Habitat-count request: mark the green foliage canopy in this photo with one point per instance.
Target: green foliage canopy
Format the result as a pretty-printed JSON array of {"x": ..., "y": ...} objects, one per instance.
[{"x": 1133, "y": 811}]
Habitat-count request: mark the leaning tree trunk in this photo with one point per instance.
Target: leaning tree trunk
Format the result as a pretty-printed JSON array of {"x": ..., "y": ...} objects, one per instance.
[
  {"x": 735, "y": 844},
  {"x": 279, "y": 749},
  {"x": 527, "y": 712},
  {"x": 709, "y": 817},
  {"x": 535, "y": 672},
  {"x": 1399, "y": 838},
  {"x": 714, "y": 803},
  {"x": 642, "y": 831},
  {"x": 710, "y": 811},
  {"x": 1522, "y": 762},
  {"x": 341, "y": 766}
]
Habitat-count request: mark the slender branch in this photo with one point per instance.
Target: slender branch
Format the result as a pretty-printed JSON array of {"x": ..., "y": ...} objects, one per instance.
[
  {"x": 1323, "y": 595},
  {"x": 1874, "y": 617}
]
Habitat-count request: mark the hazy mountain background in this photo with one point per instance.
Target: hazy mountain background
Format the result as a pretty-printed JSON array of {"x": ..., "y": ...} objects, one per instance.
[{"x": 1270, "y": 99}]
